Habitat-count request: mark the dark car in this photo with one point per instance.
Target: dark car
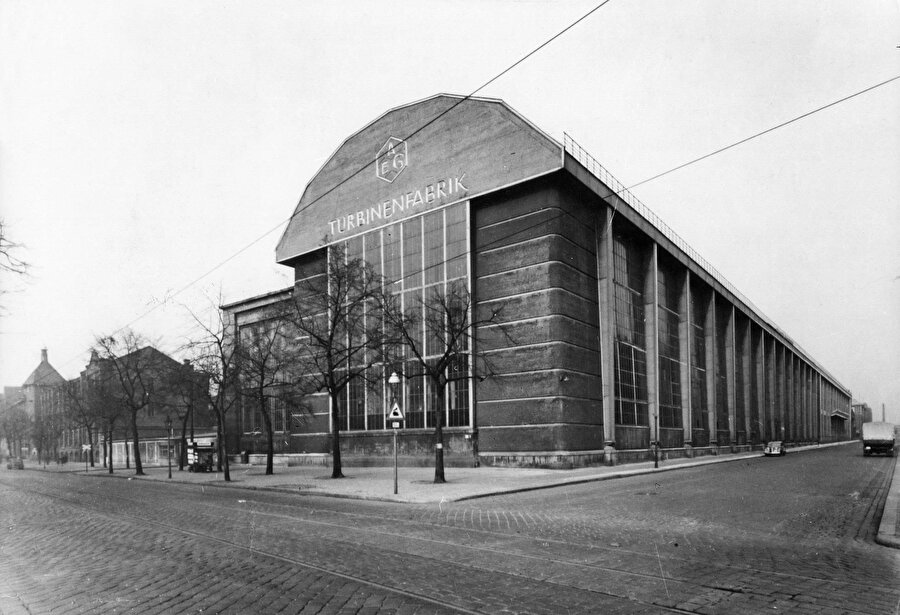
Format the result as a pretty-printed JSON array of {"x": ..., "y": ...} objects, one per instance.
[
  {"x": 774, "y": 448},
  {"x": 15, "y": 464}
]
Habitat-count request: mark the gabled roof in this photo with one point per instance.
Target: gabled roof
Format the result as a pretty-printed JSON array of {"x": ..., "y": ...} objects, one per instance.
[
  {"x": 44, "y": 375},
  {"x": 414, "y": 158}
]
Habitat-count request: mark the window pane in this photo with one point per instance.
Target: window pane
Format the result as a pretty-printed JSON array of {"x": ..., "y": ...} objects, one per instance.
[
  {"x": 375, "y": 399},
  {"x": 415, "y": 395},
  {"x": 373, "y": 251},
  {"x": 434, "y": 247},
  {"x": 357, "y": 402},
  {"x": 391, "y": 241},
  {"x": 412, "y": 253},
  {"x": 457, "y": 238}
]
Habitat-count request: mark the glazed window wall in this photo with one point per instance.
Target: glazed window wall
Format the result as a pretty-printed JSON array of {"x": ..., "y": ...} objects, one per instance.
[
  {"x": 669, "y": 349},
  {"x": 415, "y": 256},
  {"x": 631, "y": 353}
]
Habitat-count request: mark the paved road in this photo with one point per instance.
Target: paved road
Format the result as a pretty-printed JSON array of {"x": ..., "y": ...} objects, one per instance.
[{"x": 792, "y": 534}]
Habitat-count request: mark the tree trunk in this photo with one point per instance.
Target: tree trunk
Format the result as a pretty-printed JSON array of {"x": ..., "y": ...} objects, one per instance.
[
  {"x": 109, "y": 448},
  {"x": 223, "y": 455},
  {"x": 138, "y": 468},
  {"x": 336, "y": 470},
  {"x": 90, "y": 434},
  {"x": 182, "y": 454},
  {"x": 270, "y": 443},
  {"x": 439, "y": 439}
]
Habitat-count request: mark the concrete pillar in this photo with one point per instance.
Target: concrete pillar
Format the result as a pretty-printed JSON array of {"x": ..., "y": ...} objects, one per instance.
[
  {"x": 730, "y": 375},
  {"x": 791, "y": 418},
  {"x": 747, "y": 367},
  {"x": 684, "y": 341},
  {"x": 759, "y": 364},
  {"x": 607, "y": 304},
  {"x": 781, "y": 431},
  {"x": 651, "y": 332},
  {"x": 711, "y": 355}
]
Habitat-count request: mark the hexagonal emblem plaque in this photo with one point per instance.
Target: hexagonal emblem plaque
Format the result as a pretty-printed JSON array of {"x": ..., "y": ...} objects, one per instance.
[{"x": 391, "y": 159}]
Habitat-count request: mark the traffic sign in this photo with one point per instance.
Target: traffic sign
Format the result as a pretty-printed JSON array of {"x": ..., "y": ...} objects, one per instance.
[{"x": 396, "y": 414}]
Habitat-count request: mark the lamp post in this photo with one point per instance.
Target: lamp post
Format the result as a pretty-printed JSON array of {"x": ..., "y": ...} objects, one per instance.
[
  {"x": 169, "y": 447},
  {"x": 394, "y": 380}
]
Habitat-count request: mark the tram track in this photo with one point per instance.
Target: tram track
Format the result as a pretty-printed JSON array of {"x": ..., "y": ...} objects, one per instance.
[
  {"x": 293, "y": 561},
  {"x": 363, "y": 526}
]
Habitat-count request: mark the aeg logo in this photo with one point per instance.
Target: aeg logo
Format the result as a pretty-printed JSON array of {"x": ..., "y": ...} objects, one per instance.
[{"x": 391, "y": 159}]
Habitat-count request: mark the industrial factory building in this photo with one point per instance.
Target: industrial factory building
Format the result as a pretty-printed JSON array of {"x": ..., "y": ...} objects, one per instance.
[{"x": 617, "y": 335}]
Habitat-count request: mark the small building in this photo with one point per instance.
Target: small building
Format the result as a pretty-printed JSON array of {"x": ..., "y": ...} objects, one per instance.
[
  {"x": 623, "y": 337},
  {"x": 861, "y": 413}
]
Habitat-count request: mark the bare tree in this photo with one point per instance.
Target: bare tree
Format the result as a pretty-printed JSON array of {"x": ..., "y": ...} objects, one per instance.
[
  {"x": 437, "y": 332},
  {"x": 338, "y": 331},
  {"x": 214, "y": 355},
  {"x": 81, "y": 406},
  {"x": 10, "y": 261},
  {"x": 138, "y": 371},
  {"x": 14, "y": 424},
  {"x": 263, "y": 360},
  {"x": 183, "y": 398}
]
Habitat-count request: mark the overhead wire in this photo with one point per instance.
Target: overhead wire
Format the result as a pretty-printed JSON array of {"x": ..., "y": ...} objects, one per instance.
[
  {"x": 299, "y": 209},
  {"x": 359, "y": 170}
]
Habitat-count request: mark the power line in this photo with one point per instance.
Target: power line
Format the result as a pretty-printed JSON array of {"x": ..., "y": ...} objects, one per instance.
[
  {"x": 766, "y": 131},
  {"x": 366, "y": 165},
  {"x": 359, "y": 170}
]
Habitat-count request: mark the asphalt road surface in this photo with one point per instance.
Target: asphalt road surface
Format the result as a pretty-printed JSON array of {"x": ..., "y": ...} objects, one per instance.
[{"x": 790, "y": 534}]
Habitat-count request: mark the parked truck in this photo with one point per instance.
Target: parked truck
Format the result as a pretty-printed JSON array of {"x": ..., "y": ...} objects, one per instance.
[{"x": 878, "y": 438}]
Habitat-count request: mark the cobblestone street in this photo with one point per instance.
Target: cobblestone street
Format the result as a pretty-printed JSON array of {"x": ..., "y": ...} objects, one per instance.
[{"x": 759, "y": 535}]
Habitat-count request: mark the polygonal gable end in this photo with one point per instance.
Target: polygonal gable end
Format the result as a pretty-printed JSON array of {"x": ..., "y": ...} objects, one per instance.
[{"x": 412, "y": 159}]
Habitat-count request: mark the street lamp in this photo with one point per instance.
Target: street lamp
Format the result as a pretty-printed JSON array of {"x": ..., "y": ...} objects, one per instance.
[
  {"x": 169, "y": 446},
  {"x": 394, "y": 380}
]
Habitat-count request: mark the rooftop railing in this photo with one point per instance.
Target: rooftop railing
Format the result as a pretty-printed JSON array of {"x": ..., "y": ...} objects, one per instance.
[{"x": 620, "y": 190}]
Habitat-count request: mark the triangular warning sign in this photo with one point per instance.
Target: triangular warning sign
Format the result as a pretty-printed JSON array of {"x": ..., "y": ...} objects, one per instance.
[{"x": 395, "y": 414}]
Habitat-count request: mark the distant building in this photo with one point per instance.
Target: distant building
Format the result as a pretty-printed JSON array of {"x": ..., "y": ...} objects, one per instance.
[
  {"x": 623, "y": 336},
  {"x": 861, "y": 413},
  {"x": 42, "y": 390},
  {"x": 173, "y": 392}
]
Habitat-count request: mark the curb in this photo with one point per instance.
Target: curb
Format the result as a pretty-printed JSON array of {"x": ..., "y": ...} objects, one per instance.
[
  {"x": 561, "y": 482},
  {"x": 887, "y": 529}
]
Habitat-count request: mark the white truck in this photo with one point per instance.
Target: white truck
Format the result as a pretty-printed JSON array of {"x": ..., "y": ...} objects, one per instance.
[{"x": 878, "y": 438}]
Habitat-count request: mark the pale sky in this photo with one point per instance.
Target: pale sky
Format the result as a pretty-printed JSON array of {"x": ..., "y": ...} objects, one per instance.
[{"x": 143, "y": 144}]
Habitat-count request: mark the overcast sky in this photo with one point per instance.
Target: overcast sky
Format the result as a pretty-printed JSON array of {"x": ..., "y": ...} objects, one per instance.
[{"x": 143, "y": 144}]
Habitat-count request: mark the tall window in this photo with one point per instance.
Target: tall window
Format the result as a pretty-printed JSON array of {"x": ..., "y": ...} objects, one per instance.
[
  {"x": 740, "y": 404},
  {"x": 415, "y": 256},
  {"x": 669, "y": 295},
  {"x": 699, "y": 401},
  {"x": 631, "y": 353},
  {"x": 723, "y": 315}
]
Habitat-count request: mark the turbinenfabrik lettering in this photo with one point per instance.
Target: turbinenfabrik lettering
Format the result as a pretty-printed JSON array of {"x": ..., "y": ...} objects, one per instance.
[{"x": 441, "y": 191}]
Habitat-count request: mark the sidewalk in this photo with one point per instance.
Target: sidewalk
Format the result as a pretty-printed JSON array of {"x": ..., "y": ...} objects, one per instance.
[{"x": 415, "y": 484}]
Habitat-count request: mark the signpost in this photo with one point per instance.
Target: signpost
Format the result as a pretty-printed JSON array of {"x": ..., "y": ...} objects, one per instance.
[
  {"x": 86, "y": 448},
  {"x": 395, "y": 418}
]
